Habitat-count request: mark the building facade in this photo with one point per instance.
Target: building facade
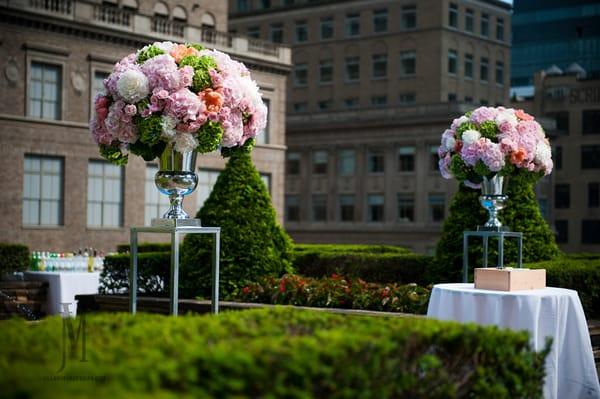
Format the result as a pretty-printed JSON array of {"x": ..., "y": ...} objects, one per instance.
[
  {"x": 374, "y": 84},
  {"x": 58, "y": 194}
]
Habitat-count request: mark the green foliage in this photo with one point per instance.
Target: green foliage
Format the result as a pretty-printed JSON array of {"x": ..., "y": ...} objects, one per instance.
[
  {"x": 488, "y": 129},
  {"x": 269, "y": 353},
  {"x": 481, "y": 169},
  {"x": 150, "y": 129},
  {"x": 153, "y": 273},
  {"x": 245, "y": 148},
  {"x": 522, "y": 214},
  {"x": 201, "y": 65},
  {"x": 113, "y": 154},
  {"x": 209, "y": 137},
  {"x": 197, "y": 46},
  {"x": 252, "y": 242},
  {"x": 459, "y": 168},
  {"x": 336, "y": 292},
  {"x": 349, "y": 248},
  {"x": 146, "y": 247},
  {"x": 146, "y": 151},
  {"x": 13, "y": 258},
  {"x": 464, "y": 127},
  {"x": 151, "y": 51}
]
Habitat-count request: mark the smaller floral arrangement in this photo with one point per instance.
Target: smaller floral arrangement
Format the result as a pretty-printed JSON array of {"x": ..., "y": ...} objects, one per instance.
[
  {"x": 176, "y": 94},
  {"x": 490, "y": 141}
]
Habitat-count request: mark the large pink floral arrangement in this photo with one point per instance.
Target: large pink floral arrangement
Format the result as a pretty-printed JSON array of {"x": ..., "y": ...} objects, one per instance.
[
  {"x": 490, "y": 141},
  {"x": 176, "y": 94}
]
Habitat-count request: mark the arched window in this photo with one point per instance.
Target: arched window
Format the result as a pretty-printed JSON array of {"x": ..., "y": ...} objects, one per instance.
[
  {"x": 208, "y": 28},
  {"x": 179, "y": 14}
]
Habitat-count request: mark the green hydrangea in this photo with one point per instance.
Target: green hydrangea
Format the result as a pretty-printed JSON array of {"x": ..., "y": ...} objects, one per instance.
[
  {"x": 481, "y": 169},
  {"x": 245, "y": 148},
  {"x": 201, "y": 67},
  {"x": 197, "y": 46},
  {"x": 147, "y": 151},
  {"x": 209, "y": 136},
  {"x": 113, "y": 154},
  {"x": 150, "y": 129},
  {"x": 458, "y": 167},
  {"x": 464, "y": 127},
  {"x": 488, "y": 129},
  {"x": 150, "y": 52}
]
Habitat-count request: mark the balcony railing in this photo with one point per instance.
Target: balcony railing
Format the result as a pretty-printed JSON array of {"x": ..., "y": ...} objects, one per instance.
[
  {"x": 263, "y": 47},
  {"x": 113, "y": 15},
  {"x": 168, "y": 27},
  {"x": 214, "y": 37},
  {"x": 56, "y": 6}
]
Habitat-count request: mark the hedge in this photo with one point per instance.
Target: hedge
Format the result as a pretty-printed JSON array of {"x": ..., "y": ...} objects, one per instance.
[
  {"x": 153, "y": 273},
  {"x": 146, "y": 247},
  {"x": 13, "y": 258},
  {"x": 348, "y": 248},
  {"x": 275, "y": 353}
]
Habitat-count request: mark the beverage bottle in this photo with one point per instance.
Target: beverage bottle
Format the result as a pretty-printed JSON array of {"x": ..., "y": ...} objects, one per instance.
[{"x": 42, "y": 264}]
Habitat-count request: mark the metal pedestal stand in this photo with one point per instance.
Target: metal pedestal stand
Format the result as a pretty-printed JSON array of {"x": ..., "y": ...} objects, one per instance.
[
  {"x": 486, "y": 234},
  {"x": 174, "y": 227}
]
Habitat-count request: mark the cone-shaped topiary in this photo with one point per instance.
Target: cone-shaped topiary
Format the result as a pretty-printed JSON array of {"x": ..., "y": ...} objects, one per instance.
[
  {"x": 522, "y": 214},
  {"x": 253, "y": 244}
]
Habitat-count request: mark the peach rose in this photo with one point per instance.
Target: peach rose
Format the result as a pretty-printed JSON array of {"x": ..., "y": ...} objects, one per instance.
[
  {"x": 213, "y": 100},
  {"x": 181, "y": 51},
  {"x": 518, "y": 156},
  {"x": 522, "y": 115}
]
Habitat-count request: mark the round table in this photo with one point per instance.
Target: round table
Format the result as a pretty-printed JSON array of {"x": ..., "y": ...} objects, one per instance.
[{"x": 548, "y": 312}]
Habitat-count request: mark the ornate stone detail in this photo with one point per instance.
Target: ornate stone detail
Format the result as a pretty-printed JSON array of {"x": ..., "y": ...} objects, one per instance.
[{"x": 11, "y": 71}]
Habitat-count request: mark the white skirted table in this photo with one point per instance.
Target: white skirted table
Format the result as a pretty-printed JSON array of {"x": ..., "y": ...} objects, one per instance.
[
  {"x": 549, "y": 312},
  {"x": 63, "y": 286}
]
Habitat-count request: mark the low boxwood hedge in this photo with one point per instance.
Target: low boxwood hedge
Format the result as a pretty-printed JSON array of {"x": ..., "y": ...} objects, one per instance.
[
  {"x": 146, "y": 247},
  {"x": 153, "y": 273},
  {"x": 275, "y": 353},
  {"x": 349, "y": 248},
  {"x": 13, "y": 258}
]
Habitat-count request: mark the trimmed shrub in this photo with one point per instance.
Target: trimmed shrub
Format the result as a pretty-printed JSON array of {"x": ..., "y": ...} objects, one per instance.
[
  {"x": 270, "y": 353},
  {"x": 253, "y": 244},
  {"x": 522, "y": 214},
  {"x": 13, "y": 258},
  {"x": 146, "y": 247},
  {"x": 153, "y": 274},
  {"x": 349, "y": 248},
  {"x": 336, "y": 292}
]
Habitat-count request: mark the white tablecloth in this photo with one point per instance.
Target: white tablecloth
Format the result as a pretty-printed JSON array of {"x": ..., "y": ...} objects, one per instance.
[
  {"x": 63, "y": 286},
  {"x": 553, "y": 312}
]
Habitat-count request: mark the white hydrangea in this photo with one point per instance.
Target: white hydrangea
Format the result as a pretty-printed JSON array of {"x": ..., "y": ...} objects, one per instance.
[
  {"x": 167, "y": 47},
  {"x": 133, "y": 86},
  {"x": 168, "y": 124},
  {"x": 506, "y": 116},
  {"x": 470, "y": 136},
  {"x": 543, "y": 153},
  {"x": 185, "y": 142}
]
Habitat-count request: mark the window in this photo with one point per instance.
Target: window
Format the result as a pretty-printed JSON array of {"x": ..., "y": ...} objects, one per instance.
[
  {"x": 327, "y": 28},
  {"x": 558, "y": 158},
  {"x": 319, "y": 208},
  {"x": 437, "y": 207},
  {"x": 468, "y": 66},
  {"x": 264, "y": 4},
  {"x": 266, "y": 179},
  {"x": 453, "y": 15},
  {"x": 293, "y": 163},
  {"x": 300, "y": 74},
  {"x": 485, "y": 25},
  {"x": 379, "y": 100},
  {"x": 352, "y": 102},
  {"x": 352, "y": 24},
  {"x": 276, "y": 33},
  {"x": 590, "y": 121},
  {"x": 253, "y": 31},
  {"x": 468, "y": 99},
  {"x": 483, "y": 70},
  {"x": 320, "y": 160},
  {"x": 406, "y": 208},
  {"x": 352, "y": 69},
  {"x": 407, "y": 98},
  {"x": 590, "y": 157},
  {"x": 242, "y": 5},
  {"x": 155, "y": 203},
  {"x": 408, "y": 17},
  {"x": 562, "y": 197},
  {"x": 206, "y": 182},
  {"x": 408, "y": 63},
  {"x": 375, "y": 161},
  {"x": 562, "y": 231},
  {"x": 593, "y": 195},
  {"x": 325, "y": 105},
  {"x": 42, "y": 191},
  {"x": 380, "y": 20},
  {"x": 325, "y": 71},
  {"x": 104, "y": 195},
  {"x": 300, "y": 107},
  {"x": 433, "y": 158},
  {"x": 500, "y": 73},
  {"x": 347, "y": 162},
  {"x": 500, "y": 29},
  {"x": 452, "y": 60},
  {"x": 589, "y": 231},
  {"x": 379, "y": 66},
  {"x": 406, "y": 159},
  {"x": 562, "y": 121},
  {"x": 483, "y": 101},
  {"x": 263, "y": 137},
  {"x": 292, "y": 208},
  {"x": 469, "y": 18},
  {"x": 451, "y": 97},
  {"x": 375, "y": 209},
  {"x": 45, "y": 91},
  {"x": 346, "y": 208},
  {"x": 301, "y": 31}
]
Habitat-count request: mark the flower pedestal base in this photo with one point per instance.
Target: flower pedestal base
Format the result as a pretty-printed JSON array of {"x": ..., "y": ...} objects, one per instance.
[
  {"x": 485, "y": 235},
  {"x": 171, "y": 223},
  {"x": 509, "y": 279}
]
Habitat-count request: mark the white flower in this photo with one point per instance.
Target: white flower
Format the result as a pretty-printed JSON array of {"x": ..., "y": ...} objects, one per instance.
[
  {"x": 543, "y": 153},
  {"x": 133, "y": 86},
  {"x": 508, "y": 117},
  {"x": 450, "y": 143},
  {"x": 185, "y": 142},
  {"x": 167, "y": 47},
  {"x": 470, "y": 136},
  {"x": 168, "y": 124}
]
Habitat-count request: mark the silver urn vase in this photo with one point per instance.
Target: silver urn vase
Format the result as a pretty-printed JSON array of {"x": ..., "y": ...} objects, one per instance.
[
  {"x": 493, "y": 199},
  {"x": 176, "y": 178}
]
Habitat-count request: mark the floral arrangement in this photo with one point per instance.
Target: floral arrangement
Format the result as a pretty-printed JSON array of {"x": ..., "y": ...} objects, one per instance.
[
  {"x": 336, "y": 292},
  {"x": 490, "y": 141},
  {"x": 182, "y": 95}
]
